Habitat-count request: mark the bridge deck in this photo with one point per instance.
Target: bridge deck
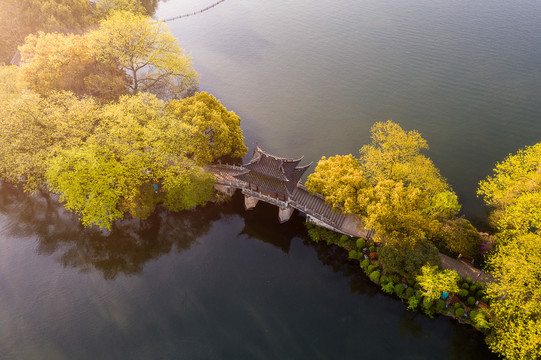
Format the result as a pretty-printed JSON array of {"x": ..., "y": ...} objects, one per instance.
[{"x": 301, "y": 199}]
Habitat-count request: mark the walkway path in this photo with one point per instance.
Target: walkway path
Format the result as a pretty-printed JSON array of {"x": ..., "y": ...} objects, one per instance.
[{"x": 464, "y": 269}]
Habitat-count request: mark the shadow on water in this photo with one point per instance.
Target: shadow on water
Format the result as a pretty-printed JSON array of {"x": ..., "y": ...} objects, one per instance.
[{"x": 125, "y": 249}]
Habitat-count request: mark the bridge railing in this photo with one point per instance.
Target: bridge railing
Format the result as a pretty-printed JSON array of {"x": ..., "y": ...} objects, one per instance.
[
  {"x": 265, "y": 198},
  {"x": 312, "y": 213},
  {"x": 227, "y": 166},
  {"x": 236, "y": 183}
]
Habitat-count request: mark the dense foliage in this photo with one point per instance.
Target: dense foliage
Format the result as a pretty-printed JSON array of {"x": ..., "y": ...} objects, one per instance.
[
  {"x": 514, "y": 193},
  {"x": 399, "y": 193},
  {"x": 108, "y": 160},
  {"x": 82, "y": 117}
]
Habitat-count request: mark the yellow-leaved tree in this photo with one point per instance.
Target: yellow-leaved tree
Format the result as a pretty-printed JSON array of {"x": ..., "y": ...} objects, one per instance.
[
  {"x": 514, "y": 193},
  {"x": 396, "y": 191},
  {"x": 147, "y": 52}
]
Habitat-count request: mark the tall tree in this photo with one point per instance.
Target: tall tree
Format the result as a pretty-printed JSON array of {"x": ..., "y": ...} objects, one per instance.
[
  {"x": 216, "y": 132},
  {"x": 54, "y": 61},
  {"x": 18, "y": 18},
  {"x": 33, "y": 128},
  {"x": 516, "y": 295},
  {"x": 514, "y": 193},
  {"x": 341, "y": 180},
  {"x": 147, "y": 52}
]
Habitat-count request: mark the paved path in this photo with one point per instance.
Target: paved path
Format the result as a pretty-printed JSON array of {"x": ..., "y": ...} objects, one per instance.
[{"x": 464, "y": 269}]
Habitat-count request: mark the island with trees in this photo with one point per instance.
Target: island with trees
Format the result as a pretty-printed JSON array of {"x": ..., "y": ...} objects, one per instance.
[{"x": 103, "y": 109}]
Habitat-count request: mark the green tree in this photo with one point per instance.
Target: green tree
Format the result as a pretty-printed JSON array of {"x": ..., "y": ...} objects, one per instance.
[
  {"x": 394, "y": 188},
  {"x": 215, "y": 132},
  {"x": 395, "y": 154},
  {"x": 397, "y": 212},
  {"x": 147, "y": 52},
  {"x": 459, "y": 236},
  {"x": 104, "y": 8},
  {"x": 400, "y": 257},
  {"x": 514, "y": 192},
  {"x": 54, "y": 61},
  {"x": 124, "y": 168},
  {"x": 515, "y": 297},
  {"x": 18, "y": 18},
  {"x": 434, "y": 282},
  {"x": 32, "y": 129},
  {"x": 340, "y": 179}
]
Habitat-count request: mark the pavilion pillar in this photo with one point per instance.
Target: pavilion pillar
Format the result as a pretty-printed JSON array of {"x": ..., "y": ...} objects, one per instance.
[
  {"x": 250, "y": 202},
  {"x": 285, "y": 214}
]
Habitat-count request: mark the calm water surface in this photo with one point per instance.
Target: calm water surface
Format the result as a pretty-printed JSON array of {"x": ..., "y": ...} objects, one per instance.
[{"x": 306, "y": 77}]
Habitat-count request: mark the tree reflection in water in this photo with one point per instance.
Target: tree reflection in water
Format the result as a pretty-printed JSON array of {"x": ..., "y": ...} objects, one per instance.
[{"x": 125, "y": 249}]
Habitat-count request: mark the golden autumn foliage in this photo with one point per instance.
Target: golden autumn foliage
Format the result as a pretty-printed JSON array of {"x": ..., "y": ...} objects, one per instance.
[
  {"x": 109, "y": 160},
  {"x": 147, "y": 52},
  {"x": 396, "y": 190},
  {"x": 514, "y": 193}
]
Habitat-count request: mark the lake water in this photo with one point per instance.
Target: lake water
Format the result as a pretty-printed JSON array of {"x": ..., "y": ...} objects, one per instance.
[{"x": 306, "y": 77}]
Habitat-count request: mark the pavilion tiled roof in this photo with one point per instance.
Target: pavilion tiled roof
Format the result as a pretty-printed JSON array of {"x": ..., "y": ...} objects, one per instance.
[{"x": 271, "y": 174}]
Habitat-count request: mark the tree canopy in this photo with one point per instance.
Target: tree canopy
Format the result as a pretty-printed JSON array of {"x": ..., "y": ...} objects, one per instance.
[
  {"x": 395, "y": 189},
  {"x": 140, "y": 155},
  {"x": 215, "y": 131},
  {"x": 434, "y": 281},
  {"x": 18, "y": 18},
  {"x": 53, "y": 62},
  {"x": 516, "y": 295},
  {"x": 32, "y": 129},
  {"x": 111, "y": 159},
  {"x": 147, "y": 52},
  {"x": 398, "y": 192},
  {"x": 514, "y": 194}
]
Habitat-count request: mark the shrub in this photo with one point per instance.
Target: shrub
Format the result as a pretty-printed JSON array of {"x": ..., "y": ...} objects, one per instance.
[
  {"x": 395, "y": 278},
  {"x": 365, "y": 263},
  {"x": 468, "y": 280},
  {"x": 459, "y": 312},
  {"x": 457, "y": 305},
  {"x": 374, "y": 276},
  {"x": 399, "y": 289},
  {"x": 417, "y": 286},
  {"x": 353, "y": 254},
  {"x": 314, "y": 235},
  {"x": 410, "y": 292},
  {"x": 478, "y": 319},
  {"x": 465, "y": 285},
  {"x": 413, "y": 302},
  {"x": 473, "y": 288},
  {"x": 419, "y": 295},
  {"x": 471, "y": 301},
  {"x": 343, "y": 240},
  {"x": 410, "y": 280},
  {"x": 361, "y": 243},
  {"x": 480, "y": 293},
  {"x": 372, "y": 249},
  {"x": 371, "y": 268},
  {"x": 427, "y": 303},
  {"x": 388, "y": 287},
  {"x": 463, "y": 294},
  {"x": 384, "y": 279},
  {"x": 440, "y": 305}
]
